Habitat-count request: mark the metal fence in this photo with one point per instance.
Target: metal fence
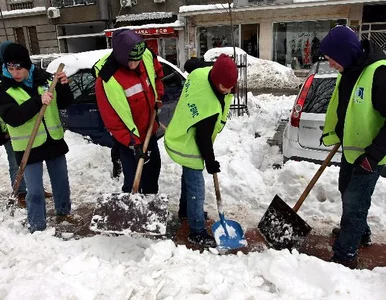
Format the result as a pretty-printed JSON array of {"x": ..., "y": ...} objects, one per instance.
[
  {"x": 239, "y": 106},
  {"x": 375, "y": 32}
]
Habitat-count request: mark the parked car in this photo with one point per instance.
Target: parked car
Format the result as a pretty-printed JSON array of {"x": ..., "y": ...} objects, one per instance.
[
  {"x": 83, "y": 116},
  {"x": 301, "y": 137},
  {"x": 43, "y": 60}
]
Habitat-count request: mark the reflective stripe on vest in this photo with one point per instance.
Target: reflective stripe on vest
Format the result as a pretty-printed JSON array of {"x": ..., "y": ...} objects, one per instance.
[
  {"x": 362, "y": 122},
  {"x": 197, "y": 102},
  {"x": 21, "y": 134},
  {"x": 117, "y": 96}
]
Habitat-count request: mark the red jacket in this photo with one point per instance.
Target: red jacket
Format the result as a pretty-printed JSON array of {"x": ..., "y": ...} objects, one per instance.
[{"x": 141, "y": 103}]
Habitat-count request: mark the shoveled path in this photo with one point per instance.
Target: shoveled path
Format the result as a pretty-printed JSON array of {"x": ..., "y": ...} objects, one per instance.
[{"x": 315, "y": 245}]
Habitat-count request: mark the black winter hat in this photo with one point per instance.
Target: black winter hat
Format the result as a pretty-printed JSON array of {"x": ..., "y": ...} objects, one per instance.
[{"x": 17, "y": 54}]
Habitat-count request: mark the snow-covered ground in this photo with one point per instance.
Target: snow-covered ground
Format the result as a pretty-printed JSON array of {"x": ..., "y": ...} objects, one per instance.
[
  {"x": 261, "y": 73},
  {"x": 42, "y": 266}
]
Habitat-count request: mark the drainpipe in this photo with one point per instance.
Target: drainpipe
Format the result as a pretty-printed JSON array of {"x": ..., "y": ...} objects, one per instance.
[{"x": 5, "y": 29}]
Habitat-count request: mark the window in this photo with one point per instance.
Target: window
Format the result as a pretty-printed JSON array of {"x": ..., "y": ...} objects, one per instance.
[
  {"x": 21, "y": 5},
  {"x": 172, "y": 78},
  {"x": 296, "y": 44},
  {"x": 20, "y": 38},
  {"x": 82, "y": 85},
  {"x": 34, "y": 41},
  {"x": 218, "y": 36}
]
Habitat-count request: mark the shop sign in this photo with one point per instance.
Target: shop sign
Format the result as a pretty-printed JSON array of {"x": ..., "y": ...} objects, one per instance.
[{"x": 148, "y": 31}]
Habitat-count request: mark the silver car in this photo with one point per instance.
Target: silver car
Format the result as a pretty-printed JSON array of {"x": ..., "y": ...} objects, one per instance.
[{"x": 301, "y": 137}]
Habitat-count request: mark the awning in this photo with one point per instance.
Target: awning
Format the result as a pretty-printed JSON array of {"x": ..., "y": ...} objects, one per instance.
[
  {"x": 151, "y": 29},
  {"x": 145, "y": 16}
]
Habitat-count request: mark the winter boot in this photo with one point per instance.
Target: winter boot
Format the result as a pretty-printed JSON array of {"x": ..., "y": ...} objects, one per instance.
[
  {"x": 72, "y": 219},
  {"x": 365, "y": 240},
  {"x": 202, "y": 239},
  {"x": 21, "y": 200},
  {"x": 352, "y": 264}
]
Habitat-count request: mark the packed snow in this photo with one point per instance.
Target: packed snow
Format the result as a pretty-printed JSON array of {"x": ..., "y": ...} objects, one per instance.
[
  {"x": 42, "y": 266},
  {"x": 261, "y": 73}
]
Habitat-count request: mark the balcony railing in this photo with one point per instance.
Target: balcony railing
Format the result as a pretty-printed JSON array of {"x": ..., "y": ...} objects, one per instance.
[{"x": 67, "y": 3}]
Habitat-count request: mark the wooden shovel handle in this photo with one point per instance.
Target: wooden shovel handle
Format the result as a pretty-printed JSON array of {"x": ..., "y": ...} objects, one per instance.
[
  {"x": 31, "y": 140},
  {"x": 217, "y": 192},
  {"x": 315, "y": 178},
  {"x": 141, "y": 161}
]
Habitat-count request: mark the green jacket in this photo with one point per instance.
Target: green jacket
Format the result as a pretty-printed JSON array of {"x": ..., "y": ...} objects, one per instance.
[
  {"x": 362, "y": 122},
  {"x": 21, "y": 134},
  {"x": 197, "y": 102}
]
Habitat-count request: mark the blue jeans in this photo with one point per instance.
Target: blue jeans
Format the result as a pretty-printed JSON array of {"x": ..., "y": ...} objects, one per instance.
[
  {"x": 150, "y": 172},
  {"x": 14, "y": 167},
  {"x": 356, "y": 189},
  {"x": 193, "y": 192},
  {"x": 36, "y": 203}
]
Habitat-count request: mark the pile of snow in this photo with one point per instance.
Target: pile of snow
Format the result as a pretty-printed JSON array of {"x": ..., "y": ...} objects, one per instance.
[
  {"x": 262, "y": 73},
  {"x": 41, "y": 266}
]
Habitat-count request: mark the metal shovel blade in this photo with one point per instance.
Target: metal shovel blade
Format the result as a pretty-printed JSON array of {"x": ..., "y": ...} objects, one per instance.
[
  {"x": 281, "y": 227},
  {"x": 228, "y": 234},
  {"x": 126, "y": 213}
]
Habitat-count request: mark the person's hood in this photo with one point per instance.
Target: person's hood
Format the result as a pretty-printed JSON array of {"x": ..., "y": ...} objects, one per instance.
[
  {"x": 123, "y": 42},
  {"x": 371, "y": 54}
]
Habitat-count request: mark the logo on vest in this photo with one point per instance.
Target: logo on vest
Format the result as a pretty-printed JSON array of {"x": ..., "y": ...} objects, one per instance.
[
  {"x": 359, "y": 95},
  {"x": 193, "y": 109}
]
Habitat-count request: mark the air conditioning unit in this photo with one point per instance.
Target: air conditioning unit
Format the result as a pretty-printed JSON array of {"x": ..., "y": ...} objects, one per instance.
[
  {"x": 159, "y": 1},
  {"x": 125, "y": 3},
  {"x": 53, "y": 13}
]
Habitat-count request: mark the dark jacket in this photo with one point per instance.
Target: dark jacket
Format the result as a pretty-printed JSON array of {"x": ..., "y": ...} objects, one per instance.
[
  {"x": 15, "y": 115},
  {"x": 4, "y": 137},
  {"x": 372, "y": 53},
  {"x": 205, "y": 128}
]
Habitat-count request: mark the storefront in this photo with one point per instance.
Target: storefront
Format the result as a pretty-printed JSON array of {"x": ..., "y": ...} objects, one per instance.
[
  {"x": 296, "y": 44},
  {"x": 164, "y": 40},
  {"x": 288, "y": 33}
]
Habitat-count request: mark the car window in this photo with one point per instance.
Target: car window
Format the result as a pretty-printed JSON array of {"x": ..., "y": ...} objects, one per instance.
[
  {"x": 172, "y": 78},
  {"x": 82, "y": 85},
  {"x": 319, "y": 95}
]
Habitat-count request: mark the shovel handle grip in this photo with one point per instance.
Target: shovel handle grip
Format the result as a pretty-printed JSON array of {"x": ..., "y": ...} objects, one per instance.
[
  {"x": 31, "y": 140},
  {"x": 315, "y": 178}
]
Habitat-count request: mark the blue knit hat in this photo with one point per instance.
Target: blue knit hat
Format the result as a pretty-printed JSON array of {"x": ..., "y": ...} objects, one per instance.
[{"x": 342, "y": 45}]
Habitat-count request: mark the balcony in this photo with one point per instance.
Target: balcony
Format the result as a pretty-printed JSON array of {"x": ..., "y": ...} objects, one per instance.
[{"x": 70, "y": 3}]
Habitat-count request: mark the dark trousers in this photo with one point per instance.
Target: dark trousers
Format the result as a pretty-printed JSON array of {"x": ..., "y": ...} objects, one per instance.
[
  {"x": 150, "y": 172},
  {"x": 356, "y": 189}
]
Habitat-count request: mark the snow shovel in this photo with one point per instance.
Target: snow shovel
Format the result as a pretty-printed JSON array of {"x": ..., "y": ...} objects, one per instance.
[
  {"x": 227, "y": 233},
  {"x": 128, "y": 213},
  {"x": 281, "y": 226},
  {"x": 15, "y": 187}
]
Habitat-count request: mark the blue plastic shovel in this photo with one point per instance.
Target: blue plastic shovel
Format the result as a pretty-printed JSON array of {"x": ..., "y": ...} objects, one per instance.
[{"x": 227, "y": 233}]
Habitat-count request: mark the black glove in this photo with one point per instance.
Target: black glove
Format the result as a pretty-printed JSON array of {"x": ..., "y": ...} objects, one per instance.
[
  {"x": 138, "y": 153},
  {"x": 4, "y": 137},
  {"x": 364, "y": 164},
  {"x": 213, "y": 167}
]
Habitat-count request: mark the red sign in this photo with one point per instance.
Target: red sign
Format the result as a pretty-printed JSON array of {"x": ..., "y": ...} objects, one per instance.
[{"x": 148, "y": 31}]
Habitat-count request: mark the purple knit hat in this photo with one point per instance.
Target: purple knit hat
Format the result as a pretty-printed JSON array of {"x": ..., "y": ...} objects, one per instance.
[
  {"x": 124, "y": 41},
  {"x": 342, "y": 45}
]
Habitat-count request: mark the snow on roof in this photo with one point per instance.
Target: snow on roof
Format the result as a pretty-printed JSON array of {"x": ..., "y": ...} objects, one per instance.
[
  {"x": 176, "y": 25},
  {"x": 190, "y": 8},
  {"x": 20, "y": 12},
  {"x": 145, "y": 16},
  {"x": 261, "y": 73}
]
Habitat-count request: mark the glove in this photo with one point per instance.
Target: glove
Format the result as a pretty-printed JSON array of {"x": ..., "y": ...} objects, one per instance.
[
  {"x": 4, "y": 138},
  {"x": 138, "y": 153},
  {"x": 158, "y": 105},
  {"x": 213, "y": 167},
  {"x": 365, "y": 164}
]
